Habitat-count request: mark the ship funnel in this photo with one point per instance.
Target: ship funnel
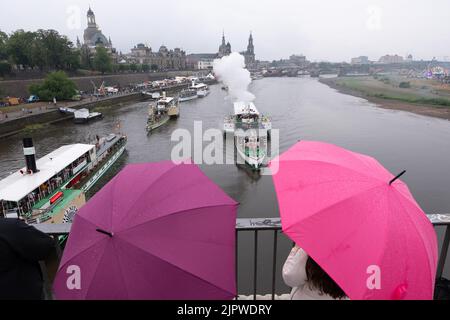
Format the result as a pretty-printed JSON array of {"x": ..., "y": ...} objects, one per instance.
[
  {"x": 164, "y": 94},
  {"x": 30, "y": 155}
]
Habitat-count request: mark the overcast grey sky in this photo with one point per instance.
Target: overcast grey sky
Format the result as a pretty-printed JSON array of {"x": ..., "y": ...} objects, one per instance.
[{"x": 332, "y": 30}]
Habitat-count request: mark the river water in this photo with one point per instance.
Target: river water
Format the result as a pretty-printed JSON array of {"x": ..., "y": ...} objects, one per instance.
[{"x": 303, "y": 109}]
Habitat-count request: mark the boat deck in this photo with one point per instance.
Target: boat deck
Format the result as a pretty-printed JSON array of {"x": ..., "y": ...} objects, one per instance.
[
  {"x": 246, "y": 126},
  {"x": 47, "y": 213},
  {"x": 108, "y": 144}
]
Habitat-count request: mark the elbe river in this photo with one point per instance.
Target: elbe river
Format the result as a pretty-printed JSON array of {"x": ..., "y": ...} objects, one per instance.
[{"x": 302, "y": 109}]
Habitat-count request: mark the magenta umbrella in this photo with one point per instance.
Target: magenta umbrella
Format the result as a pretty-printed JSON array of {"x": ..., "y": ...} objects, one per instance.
[
  {"x": 156, "y": 231},
  {"x": 357, "y": 221}
]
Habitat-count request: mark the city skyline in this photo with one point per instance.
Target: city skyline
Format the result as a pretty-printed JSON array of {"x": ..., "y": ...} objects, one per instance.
[{"x": 369, "y": 28}]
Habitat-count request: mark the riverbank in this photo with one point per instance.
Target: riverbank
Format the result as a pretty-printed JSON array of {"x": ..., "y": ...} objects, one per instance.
[
  {"x": 19, "y": 88},
  {"x": 48, "y": 114},
  {"x": 372, "y": 91}
]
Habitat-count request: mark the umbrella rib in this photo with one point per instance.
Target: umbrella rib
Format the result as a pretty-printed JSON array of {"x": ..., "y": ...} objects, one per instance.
[
  {"x": 121, "y": 271},
  {"x": 326, "y": 182},
  {"x": 90, "y": 246},
  {"x": 421, "y": 239},
  {"x": 332, "y": 205},
  {"x": 93, "y": 277},
  {"x": 145, "y": 190},
  {"x": 79, "y": 253},
  {"x": 340, "y": 166},
  {"x": 175, "y": 266},
  {"x": 176, "y": 213},
  {"x": 342, "y": 285}
]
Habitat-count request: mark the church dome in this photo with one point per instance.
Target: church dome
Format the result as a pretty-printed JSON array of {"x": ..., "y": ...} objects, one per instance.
[{"x": 99, "y": 38}]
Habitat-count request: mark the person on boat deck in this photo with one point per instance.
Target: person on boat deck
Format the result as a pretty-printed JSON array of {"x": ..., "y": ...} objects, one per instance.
[
  {"x": 308, "y": 280},
  {"x": 21, "y": 248}
]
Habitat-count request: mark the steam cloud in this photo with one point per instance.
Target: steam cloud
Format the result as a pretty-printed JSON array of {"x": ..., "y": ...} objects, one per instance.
[{"x": 230, "y": 70}]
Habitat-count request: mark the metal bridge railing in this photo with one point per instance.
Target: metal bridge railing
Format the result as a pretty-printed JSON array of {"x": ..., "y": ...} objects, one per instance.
[{"x": 273, "y": 225}]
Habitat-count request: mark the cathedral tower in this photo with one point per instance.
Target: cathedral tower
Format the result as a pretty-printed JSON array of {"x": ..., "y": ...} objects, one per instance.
[{"x": 91, "y": 19}]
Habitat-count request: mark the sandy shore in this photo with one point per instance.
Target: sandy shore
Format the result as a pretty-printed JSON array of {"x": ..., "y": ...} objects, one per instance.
[{"x": 422, "y": 109}]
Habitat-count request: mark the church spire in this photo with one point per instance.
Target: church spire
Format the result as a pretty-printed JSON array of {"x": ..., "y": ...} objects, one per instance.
[
  {"x": 223, "y": 37},
  {"x": 91, "y": 18}
]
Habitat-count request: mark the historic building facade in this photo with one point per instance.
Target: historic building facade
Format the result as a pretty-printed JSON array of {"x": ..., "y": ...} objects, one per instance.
[
  {"x": 249, "y": 54},
  {"x": 200, "y": 61},
  {"x": 204, "y": 61},
  {"x": 224, "y": 48},
  {"x": 94, "y": 37},
  {"x": 163, "y": 59}
]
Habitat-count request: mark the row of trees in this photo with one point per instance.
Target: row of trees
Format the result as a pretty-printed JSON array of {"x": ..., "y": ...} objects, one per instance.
[
  {"x": 47, "y": 50},
  {"x": 43, "y": 49}
]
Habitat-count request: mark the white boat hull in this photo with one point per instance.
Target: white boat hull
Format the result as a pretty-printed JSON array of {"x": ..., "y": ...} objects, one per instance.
[
  {"x": 103, "y": 170},
  {"x": 202, "y": 93},
  {"x": 255, "y": 161},
  {"x": 187, "y": 98}
]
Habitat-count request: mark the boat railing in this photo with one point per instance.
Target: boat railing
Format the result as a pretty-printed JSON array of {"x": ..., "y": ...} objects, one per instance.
[
  {"x": 43, "y": 212},
  {"x": 257, "y": 227},
  {"x": 44, "y": 217},
  {"x": 45, "y": 195}
]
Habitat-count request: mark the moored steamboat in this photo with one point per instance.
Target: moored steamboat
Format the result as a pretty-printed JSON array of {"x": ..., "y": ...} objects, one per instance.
[{"x": 52, "y": 188}]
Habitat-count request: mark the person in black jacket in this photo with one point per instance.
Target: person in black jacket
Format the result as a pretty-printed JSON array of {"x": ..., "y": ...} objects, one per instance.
[{"x": 21, "y": 248}]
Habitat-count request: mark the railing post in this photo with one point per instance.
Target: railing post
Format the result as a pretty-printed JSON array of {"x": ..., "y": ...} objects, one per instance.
[
  {"x": 444, "y": 251},
  {"x": 236, "y": 263},
  {"x": 274, "y": 266},
  {"x": 255, "y": 267}
]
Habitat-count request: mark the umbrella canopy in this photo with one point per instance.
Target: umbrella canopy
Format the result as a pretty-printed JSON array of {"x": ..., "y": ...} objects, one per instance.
[
  {"x": 155, "y": 231},
  {"x": 368, "y": 234}
]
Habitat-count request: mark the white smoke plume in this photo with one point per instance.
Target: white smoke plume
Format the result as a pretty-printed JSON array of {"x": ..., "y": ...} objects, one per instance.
[{"x": 230, "y": 70}]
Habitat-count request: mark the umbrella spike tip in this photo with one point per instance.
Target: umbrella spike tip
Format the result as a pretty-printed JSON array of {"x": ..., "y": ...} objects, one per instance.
[
  {"x": 109, "y": 234},
  {"x": 397, "y": 177}
]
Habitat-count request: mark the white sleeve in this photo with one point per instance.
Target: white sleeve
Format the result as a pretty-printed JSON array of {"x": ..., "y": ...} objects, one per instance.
[{"x": 294, "y": 273}]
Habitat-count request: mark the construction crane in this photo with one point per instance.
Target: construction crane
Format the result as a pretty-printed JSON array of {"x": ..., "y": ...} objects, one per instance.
[{"x": 99, "y": 91}]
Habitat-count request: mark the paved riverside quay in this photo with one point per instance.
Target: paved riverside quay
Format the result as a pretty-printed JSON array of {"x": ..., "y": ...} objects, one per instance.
[{"x": 46, "y": 113}]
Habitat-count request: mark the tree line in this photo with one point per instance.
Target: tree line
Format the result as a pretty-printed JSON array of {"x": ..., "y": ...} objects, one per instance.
[
  {"x": 42, "y": 49},
  {"x": 47, "y": 50}
]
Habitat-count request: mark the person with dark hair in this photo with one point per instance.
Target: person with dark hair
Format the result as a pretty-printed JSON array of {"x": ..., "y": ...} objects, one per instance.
[
  {"x": 21, "y": 248},
  {"x": 308, "y": 280}
]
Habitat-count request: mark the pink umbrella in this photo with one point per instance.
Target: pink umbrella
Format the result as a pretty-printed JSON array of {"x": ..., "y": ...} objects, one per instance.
[
  {"x": 357, "y": 221},
  {"x": 156, "y": 231}
]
